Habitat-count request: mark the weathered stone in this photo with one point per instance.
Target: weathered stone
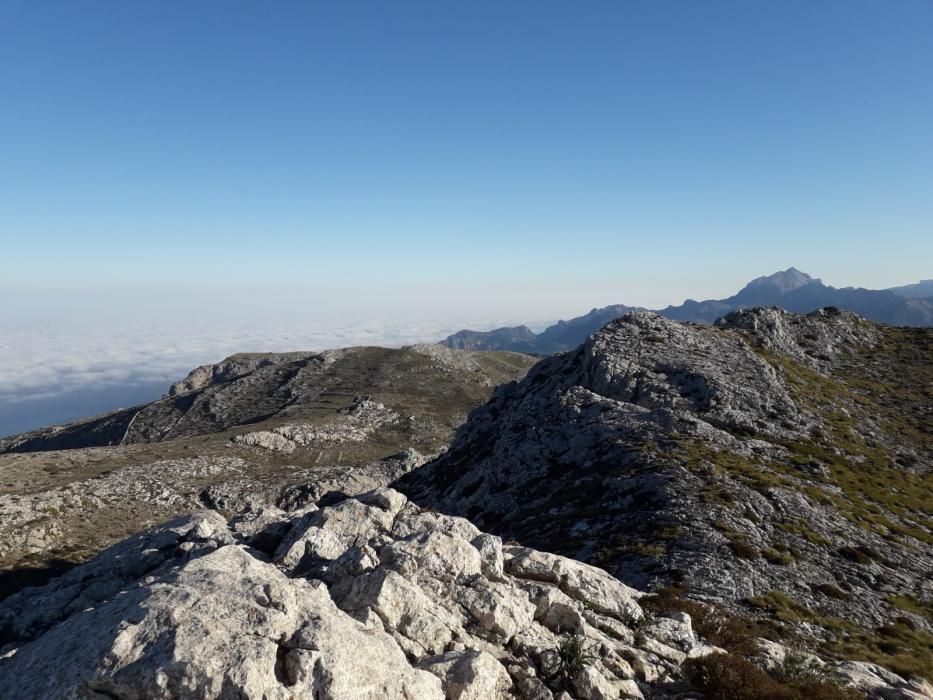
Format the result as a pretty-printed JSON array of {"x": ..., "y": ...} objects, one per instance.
[{"x": 470, "y": 675}]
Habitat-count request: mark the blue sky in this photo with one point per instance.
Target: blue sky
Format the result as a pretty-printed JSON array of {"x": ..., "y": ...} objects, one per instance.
[
  {"x": 630, "y": 152},
  {"x": 439, "y": 163}
]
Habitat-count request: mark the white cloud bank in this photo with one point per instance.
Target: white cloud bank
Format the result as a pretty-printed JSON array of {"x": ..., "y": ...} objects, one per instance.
[{"x": 60, "y": 371}]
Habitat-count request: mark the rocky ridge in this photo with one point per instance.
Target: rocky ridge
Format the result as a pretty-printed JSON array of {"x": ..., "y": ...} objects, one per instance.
[
  {"x": 372, "y": 597},
  {"x": 774, "y": 464},
  {"x": 336, "y": 420}
]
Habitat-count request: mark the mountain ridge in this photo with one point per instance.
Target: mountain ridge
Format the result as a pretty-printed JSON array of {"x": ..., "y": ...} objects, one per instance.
[
  {"x": 777, "y": 464},
  {"x": 789, "y": 289}
]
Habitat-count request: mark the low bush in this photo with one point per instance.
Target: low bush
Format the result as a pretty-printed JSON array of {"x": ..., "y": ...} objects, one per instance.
[
  {"x": 565, "y": 661},
  {"x": 713, "y": 624},
  {"x": 731, "y": 677},
  {"x": 776, "y": 557}
]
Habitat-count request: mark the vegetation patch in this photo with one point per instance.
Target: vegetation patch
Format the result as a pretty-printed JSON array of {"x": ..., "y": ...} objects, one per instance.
[
  {"x": 743, "y": 549},
  {"x": 923, "y": 608},
  {"x": 565, "y": 661},
  {"x": 781, "y": 558},
  {"x": 832, "y": 590},
  {"x": 901, "y": 646},
  {"x": 783, "y": 607},
  {"x": 731, "y": 677}
]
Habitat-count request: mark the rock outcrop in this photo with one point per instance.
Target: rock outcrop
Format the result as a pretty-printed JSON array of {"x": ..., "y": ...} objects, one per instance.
[
  {"x": 356, "y": 424},
  {"x": 369, "y": 598},
  {"x": 775, "y": 464},
  {"x": 233, "y": 367}
]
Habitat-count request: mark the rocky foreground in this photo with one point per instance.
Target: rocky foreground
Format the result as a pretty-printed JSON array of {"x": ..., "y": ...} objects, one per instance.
[{"x": 372, "y": 597}]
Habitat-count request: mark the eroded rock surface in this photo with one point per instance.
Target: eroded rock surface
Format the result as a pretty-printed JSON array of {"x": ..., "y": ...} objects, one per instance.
[
  {"x": 777, "y": 464},
  {"x": 369, "y": 598}
]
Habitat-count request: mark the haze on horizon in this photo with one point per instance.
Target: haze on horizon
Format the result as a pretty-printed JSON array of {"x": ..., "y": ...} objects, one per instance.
[{"x": 182, "y": 180}]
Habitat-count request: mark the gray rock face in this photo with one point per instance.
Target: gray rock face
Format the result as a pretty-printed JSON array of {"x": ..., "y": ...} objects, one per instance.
[
  {"x": 732, "y": 460},
  {"x": 370, "y": 598},
  {"x": 818, "y": 339},
  {"x": 233, "y": 367}
]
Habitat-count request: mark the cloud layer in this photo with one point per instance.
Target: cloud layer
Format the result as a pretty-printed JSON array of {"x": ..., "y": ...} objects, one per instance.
[{"x": 57, "y": 373}]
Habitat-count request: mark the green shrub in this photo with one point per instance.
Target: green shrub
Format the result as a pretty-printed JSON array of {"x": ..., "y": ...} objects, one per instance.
[{"x": 564, "y": 662}]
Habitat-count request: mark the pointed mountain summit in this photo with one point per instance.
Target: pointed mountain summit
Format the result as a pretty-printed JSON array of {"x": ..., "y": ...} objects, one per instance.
[
  {"x": 790, "y": 289},
  {"x": 782, "y": 282}
]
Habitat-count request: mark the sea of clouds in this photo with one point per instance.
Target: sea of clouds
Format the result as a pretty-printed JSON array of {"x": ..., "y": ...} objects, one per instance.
[{"x": 52, "y": 373}]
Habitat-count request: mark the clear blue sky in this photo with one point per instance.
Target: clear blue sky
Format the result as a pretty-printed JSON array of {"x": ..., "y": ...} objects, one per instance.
[{"x": 485, "y": 153}]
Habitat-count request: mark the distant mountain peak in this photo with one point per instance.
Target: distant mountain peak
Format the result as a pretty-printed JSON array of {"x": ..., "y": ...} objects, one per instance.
[{"x": 786, "y": 281}]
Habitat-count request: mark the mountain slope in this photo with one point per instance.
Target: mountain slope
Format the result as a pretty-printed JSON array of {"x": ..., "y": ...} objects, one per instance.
[
  {"x": 790, "y": 289},
  {"x": 921, "y": 290},
  {"x": 345, "y": 421},
  {"x": 793, "y": 290},
  {"x": 777, "y": 464},
  {"x": 247, "y": 390},
  {"x": 498, "y": 339}
]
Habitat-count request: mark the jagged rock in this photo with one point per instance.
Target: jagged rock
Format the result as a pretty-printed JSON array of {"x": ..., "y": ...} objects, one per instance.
[
  {"x": 877, "y": 681},
  {"x": 394, "y": 603},
  {"x": 362, "y": 419},
  {"x": 815, "y": 339},
  {"x": 768, "y": 455}
]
